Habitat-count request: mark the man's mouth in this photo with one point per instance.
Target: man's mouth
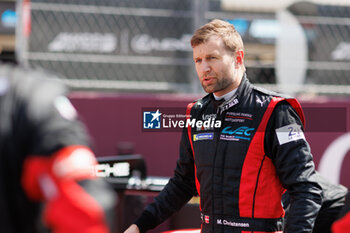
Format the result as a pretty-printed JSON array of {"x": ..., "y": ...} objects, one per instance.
[{"x": 208, "y": 80}]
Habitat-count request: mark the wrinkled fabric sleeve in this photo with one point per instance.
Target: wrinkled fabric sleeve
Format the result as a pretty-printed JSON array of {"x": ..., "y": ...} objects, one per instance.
[
  {"x": 342, "y": 225},
  {"x": 45, "y": 122},
  {"x": 179, "y": 190},
  {"x": 296, "y": 170},
  {"x": 51, "y": 119}
]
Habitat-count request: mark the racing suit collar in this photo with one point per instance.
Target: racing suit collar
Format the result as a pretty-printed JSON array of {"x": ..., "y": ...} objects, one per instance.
[
  {"x": 227, "y": 96},
  {"x": 238, "y": 94}
]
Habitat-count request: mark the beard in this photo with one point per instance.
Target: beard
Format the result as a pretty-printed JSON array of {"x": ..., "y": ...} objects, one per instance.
[{"x": 218, "y": 85}]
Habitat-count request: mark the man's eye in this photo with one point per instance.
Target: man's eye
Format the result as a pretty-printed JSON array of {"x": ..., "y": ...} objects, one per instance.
[{"x": 197, "y": 60}]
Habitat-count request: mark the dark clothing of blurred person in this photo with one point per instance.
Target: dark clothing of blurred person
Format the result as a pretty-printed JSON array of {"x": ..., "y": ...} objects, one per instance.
[
  {"x": 47, "y": 177},
  {"x": 334, "y": 196},
  {"x": 241, "y": 164},
  {"x": 342, "y": 224}
]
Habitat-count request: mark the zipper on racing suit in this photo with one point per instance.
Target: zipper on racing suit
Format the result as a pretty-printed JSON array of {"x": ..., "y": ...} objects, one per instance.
[{"x": 220, "y": 115}]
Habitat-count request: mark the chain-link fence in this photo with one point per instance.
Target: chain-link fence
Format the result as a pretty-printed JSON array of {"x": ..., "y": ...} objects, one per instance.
[
  {"x": 326, "y": 29},
  {"x": 125, "y": 44},
  {"x": 144, "y": 45}
]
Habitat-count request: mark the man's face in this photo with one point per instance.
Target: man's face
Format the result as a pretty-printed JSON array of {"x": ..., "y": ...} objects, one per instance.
[{"x": 216, "y": 66}]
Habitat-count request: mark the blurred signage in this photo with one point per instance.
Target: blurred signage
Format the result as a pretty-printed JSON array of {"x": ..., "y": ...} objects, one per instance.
[
  {"x": 342, "y": 51},
  {"x": 270, "y": 5},
  {"x": 8, "y": 18},
  {"x": 83, "y": 42},
  {"x": 264, "y": 28}
]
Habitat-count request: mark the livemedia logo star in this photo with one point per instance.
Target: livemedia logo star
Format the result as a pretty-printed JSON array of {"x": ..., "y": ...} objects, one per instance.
[
  {"x": 152, "y": 120},
  {"x": 172, "y": 119}
]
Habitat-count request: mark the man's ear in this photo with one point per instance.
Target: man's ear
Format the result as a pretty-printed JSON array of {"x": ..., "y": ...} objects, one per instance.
[{"x": 239, "y": 57}]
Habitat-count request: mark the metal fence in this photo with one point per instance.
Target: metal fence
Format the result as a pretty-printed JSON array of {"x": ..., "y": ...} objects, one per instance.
[{"x": 144, "y": 45}]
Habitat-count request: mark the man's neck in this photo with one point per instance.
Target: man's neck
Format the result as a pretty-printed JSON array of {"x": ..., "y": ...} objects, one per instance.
[{"x": 226, "y": 96}]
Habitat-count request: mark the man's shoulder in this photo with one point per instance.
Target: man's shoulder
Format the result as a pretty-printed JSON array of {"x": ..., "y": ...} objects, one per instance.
[
  {"x": 201, "y": 102},
  {"x": 269, "y": 93},
  {"x": 284, "y": 104}
]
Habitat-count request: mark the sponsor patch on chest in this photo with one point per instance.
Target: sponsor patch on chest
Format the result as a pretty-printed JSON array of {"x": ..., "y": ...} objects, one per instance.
[
  {"x": 238, "y": 117},
  {"x": 236, "y": 134},
  {"x": 203, "y": 136},
  {"x": 289, "y": 133}
]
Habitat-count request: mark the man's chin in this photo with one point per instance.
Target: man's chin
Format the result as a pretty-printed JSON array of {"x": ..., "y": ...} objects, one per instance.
[{"x": 208, "y": 89}]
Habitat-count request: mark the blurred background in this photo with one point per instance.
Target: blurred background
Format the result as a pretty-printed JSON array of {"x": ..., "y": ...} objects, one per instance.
[{"x": 121, "y": 56}]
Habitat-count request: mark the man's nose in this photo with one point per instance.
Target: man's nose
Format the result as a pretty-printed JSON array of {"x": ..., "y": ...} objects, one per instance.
[{"x": 205, "y": 67}]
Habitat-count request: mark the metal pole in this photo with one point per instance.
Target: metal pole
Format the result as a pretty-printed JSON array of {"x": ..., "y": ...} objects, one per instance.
[{"x": 199, "y": 9}]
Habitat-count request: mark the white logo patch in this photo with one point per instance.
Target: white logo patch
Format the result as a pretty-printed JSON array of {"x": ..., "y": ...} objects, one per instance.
[{"x": 289, "y": 133}]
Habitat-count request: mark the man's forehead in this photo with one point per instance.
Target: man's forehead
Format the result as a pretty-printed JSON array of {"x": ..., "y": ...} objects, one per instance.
[{"x": 211, "y": 46}]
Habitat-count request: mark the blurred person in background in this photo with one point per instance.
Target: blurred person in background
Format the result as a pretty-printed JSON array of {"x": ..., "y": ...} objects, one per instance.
[
  {"x": 241, "y": 168},
  {"x": 334, "y": 196},
  {"x": 47, "y": 177},
  {"x": 342, "y": 224}
]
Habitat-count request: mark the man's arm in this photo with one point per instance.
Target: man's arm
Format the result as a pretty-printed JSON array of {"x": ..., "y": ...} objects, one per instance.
[
  {"x": 294, "y": 166},
  {"x": 132, "y": 229}
]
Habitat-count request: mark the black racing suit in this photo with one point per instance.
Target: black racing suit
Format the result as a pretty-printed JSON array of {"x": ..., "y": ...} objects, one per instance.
[
  {"x": 241, "y": 169},
  {"x": 36, "y": 119}
]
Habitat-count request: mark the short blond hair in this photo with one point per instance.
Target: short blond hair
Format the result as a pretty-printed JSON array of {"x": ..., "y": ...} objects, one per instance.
[{"x": 226, "y": 31}]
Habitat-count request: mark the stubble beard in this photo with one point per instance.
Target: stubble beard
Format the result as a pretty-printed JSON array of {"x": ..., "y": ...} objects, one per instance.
[{"x": 219, "y": 85}]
